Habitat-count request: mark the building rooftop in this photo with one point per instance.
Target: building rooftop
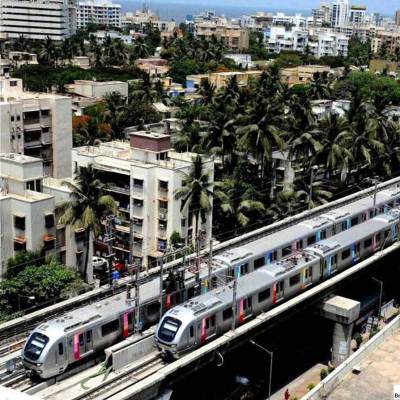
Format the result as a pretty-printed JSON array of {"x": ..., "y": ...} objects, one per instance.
[{"x": 19, "y": 158}]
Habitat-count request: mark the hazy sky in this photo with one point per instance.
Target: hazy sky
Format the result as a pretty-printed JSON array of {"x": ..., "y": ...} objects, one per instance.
[{"x": 383, "y": 6}]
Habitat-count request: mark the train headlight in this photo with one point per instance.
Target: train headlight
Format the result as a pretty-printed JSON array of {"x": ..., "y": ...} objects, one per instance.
[
  {"x": 39, "y": 364},
  {"x": 173, "y": 345}
]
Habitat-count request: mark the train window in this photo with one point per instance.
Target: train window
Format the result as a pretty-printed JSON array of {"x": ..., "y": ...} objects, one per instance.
[
  {"x": 387, "y": 234},
  {"x": 210, "y": 322},
  {"x": 345, "y": 254},
  {"x": 247, "y": 303},
  {"x": 110, "y": 327},
  {"x": 367, "y": 243},
  {"x": 88, "y": 336},
  {"x": 344, "y": 226},
  {"x": 153, "y": 308},
  {"x": 227, "y": 314},
  {"x": 286, "y": 251},
  {"x": 354, "y": 221},
  {"x": 260, "y": 262},
  {"x": 378, "y": 237},
  {"x": 36, "y": 343},
  {"x": 364, "y": 217},
  {"x": 244, "y": 269},
  {"x": 191, "y": 331},
  {"x": 294, "y": 280},
  {"x": 81, "y": 339},
  {"x": 311, "y": 240},
  {"x": 264, "y": 295},
  {"x": 190, "y": 293},
  {"x": 274, "y": 255},
  {"x": 323, "y": 234},
  {"x": 60, "y": 349},
  {"x": 371, "y": 214},
  {"x": 308, "y": 273},
  {"x": 169, "y": 328}
]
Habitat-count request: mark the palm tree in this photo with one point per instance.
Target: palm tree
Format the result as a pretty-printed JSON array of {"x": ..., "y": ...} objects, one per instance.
[
  {"x": 196, "y": 193},
  {"x": 116, "y": 113},
  {"x": 237, "y": 199},
  {"x": 321, "y": 86},
  {"x": 88, "y": 205}
]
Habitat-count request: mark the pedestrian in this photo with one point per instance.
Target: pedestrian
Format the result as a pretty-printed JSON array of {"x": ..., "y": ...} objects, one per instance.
[{"x": 287, "y": 394}]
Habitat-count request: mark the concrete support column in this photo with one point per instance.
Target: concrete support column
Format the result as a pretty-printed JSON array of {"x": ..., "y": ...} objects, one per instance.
[
  {"x": 343, "y": 312},
  {"x": 341, "y": 348}
]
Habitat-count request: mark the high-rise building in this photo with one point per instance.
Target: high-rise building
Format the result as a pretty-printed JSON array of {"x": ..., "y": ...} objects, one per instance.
[
  {"x": 102, "y": 12},
  {"x": 397, "y": 18},
  {"x": 340, "y": 13},
  {"x": 37, "y": 19},
  {"x": 37, "y": 125},
  {"x": 357, "y": 15}
]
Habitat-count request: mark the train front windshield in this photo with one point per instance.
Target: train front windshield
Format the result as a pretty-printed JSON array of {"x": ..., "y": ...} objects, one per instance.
[
  {"x": 168, "y": 329},
  {"x": 35, "y": 346}
]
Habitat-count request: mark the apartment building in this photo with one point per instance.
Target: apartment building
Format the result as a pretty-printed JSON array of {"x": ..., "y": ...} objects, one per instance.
[
  {"x": 357, "y": 15},
  {"x": 37, "y": 19},
  {"x": 235, "y": 38},
  {"x": 390, "y": 39},
  {"x": 321, "y": 42},
  {"x": 141, "y": 21},
  {"x": 98, "y": 12},
  {"x": 143, "y": 175},
  {"x": 96, "y": 90},
  {"x": 302, "y": 74},
  {"x": 340, "y": 13},
  {"x": 397, "y": 18},
  {"x": 37, "y": 125}
]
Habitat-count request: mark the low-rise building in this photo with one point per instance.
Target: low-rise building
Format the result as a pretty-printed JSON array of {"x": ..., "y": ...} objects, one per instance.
[
  {"x": 390, "y": 39},
  {"x": 37, "y": 125},
  {"x": 97, "y": 90},
  {"x": 143, "y": 176},
  {"x": 380, "y": 66},
  {"x": 19, "y": 58},
  {"x": 302, "y": 74},
  {"x": 153, "y": 66},
  {"x": 243, "y": 60},
  {"x": 29, "y": 213}
]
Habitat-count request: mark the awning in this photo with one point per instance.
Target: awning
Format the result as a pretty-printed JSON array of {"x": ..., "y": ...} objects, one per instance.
[
  {"x": 20, "y": 239},
  {"x": 48, "y": 238}
]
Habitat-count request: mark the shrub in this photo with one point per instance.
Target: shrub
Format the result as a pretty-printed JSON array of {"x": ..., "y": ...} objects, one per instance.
[
  {"x": 358, "y": 339},
  {"x": 323, "y": 374},
  {"x": 311, "y": 386}
]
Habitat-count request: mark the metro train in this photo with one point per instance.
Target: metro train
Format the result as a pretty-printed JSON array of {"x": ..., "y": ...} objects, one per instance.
[
  {"x": 64, "y": 341},
  {"x": 199, "y": 320}
]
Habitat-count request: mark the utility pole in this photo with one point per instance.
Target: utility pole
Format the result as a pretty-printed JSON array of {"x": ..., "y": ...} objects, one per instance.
[
  {"x": 110, "y": 239},
  {"x": 234, "y": 294},
  {"x": 375, "y": 191},
  {"x": 313, "y": 169},
  {"x": 137, "y": 296},
  {"x": 380, "y": 297},
  {"x": 161, "y": 285},
  {"x": 210, "y": 255},
  {"x": 198, "y": 265}
]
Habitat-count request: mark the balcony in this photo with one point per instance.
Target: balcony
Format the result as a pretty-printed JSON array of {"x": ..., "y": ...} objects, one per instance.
[
  {"x": 163, "y": 214},
  {"x": 46, "y": 138},
  {"x": 118, "y": 189}
]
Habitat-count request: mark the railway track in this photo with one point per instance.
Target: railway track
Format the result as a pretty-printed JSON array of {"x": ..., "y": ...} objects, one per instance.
[{"x": 24, "y": 325}]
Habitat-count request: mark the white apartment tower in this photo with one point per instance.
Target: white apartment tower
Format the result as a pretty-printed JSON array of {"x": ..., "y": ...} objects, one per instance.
[
  {"x": 37, "y": 125},
  {"x": 142, "y": 176},
  {"x": 340, "y": 13},
  {"x": 98, "y": 12},
  {"x": 37, "y": 19}
]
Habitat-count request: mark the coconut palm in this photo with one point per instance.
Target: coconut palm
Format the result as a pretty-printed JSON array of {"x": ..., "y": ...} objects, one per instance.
[
  {"x": 88, "y": 205},
  {"x": 196, "y": 193}
]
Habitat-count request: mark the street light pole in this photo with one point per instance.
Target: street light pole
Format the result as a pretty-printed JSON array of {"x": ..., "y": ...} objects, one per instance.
[
  {"x": 313, "y": 169},
  {"x": 271, "y": 355},
  {"x": 380, "y": 297}
]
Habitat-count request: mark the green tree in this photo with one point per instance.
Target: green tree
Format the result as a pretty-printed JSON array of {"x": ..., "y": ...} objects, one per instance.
[{"x": 88, "y": 205}]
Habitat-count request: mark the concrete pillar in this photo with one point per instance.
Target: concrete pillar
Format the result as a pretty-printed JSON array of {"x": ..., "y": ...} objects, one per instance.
[{"x": 343, "y": 312}]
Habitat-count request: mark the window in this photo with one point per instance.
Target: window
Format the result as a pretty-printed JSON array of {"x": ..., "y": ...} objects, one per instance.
[
  {"x": 35, "y": 346},
  {"x": 163, "y": 205},
  {"x": 345, "y": 254},
  {"x": 13, "y": 83},
  {"x": 88, "y": 336},
  {"x": 323, "y": 234},
  {"x": 344, "y": 225},
  {"x": 191, "y": 331},
  {"x": 45, "y": 113},
  {"x": 227, "y": 314},
  {"x": 163, "y": 185},
  {"x": 367, "y": 243},
  {"x": 12, "y": 118},
  {"x": 153, "y": 308},
  {"x": 244, "y": 269},
  {"x": 264, "y": 295},
  {"x": 137, "y": 203},
  {"x": 260, "y": 262},
  {"x": 49, "y": 220},
  {"x": 294, "y": 280},
  {"x": 19, "y": 222},
  {"x": 30, "y": 185},
  {"x": 81, "y": 341},
  {"x": 354, "y": 221},
  {"x": 311, "y": 240},
  {"x": 286, "y": 251},
  {"x": 110, "y": 327},
  {"x": 18, "y": 118},
  {"x": 168, "y": 329},
  {"x": 378, "y": 238},
  {"x": 60, "y": 349},
  {"x": 183, "y": 222},
  {"x": 138, "y": 183}
]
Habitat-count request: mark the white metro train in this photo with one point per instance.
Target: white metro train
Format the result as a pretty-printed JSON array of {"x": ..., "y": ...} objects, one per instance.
[
  {"x": 61, "y": 342},
  {"x": 189, "y": 325}
]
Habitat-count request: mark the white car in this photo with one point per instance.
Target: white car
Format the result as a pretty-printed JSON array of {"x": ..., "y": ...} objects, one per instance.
[{"x": 98, "y": 263}]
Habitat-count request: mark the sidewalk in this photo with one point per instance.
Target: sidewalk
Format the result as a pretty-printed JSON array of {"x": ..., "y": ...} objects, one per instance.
[{"x": 298, "y": 387}]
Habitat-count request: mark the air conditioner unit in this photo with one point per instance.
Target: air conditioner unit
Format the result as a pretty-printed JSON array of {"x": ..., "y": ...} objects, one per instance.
[{"x": 163, "y": 216}]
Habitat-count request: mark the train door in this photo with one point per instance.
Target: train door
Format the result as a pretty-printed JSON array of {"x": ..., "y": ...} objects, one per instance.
[
  {"x": 60, "y": 356},
  {"x": 208, "y": 327},
  {"x": 278, "y": 291},
  {"x": 332, "y": 264},
  {"x": 191, "y": 336},
  {"x": 307, "y": 276},
  {"x": 355, "y": 252},
  {"x": 246, "y": 308}
]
